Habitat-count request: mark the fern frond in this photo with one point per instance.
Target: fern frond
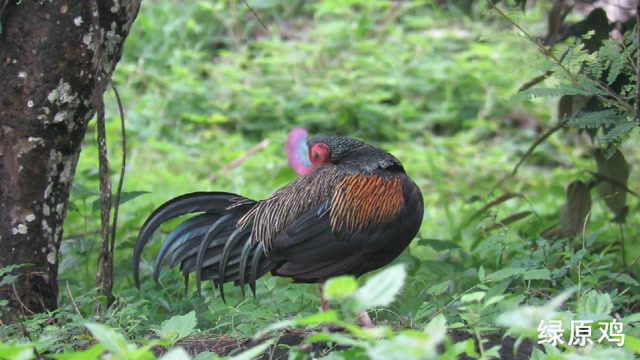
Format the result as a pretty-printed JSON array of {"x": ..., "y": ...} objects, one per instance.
[
  {"x": 621, "y": 132},
  {"x": 560, "y": 90},
  {"x": 596, "y": 119}
]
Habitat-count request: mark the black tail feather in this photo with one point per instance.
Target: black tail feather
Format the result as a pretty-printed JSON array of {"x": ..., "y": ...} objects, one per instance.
[
  {"x": 208, "y": 244},
  {"x": 259, "y": 250},
  {"x": 244, "y": 260},
  {"x": 183, "y": 234},
  {"x": 217, "y": 227},
  {"x": 237, "y": 236},
  {"x": 208, "y": 202}
]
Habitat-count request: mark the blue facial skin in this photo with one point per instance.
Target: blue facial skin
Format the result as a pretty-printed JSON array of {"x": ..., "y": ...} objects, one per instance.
[{"x": 303, "y": 153}]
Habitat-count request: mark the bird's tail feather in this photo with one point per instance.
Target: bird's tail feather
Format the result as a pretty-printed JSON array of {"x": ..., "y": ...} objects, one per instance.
[{"x": 208, "y": 244}]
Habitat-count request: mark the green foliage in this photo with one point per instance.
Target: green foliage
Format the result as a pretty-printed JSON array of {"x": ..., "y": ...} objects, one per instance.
[
  {"x": 202, "y": 82},
  {"x": 332, "y": 75},
  {"x": 177, "y": 327},
  {"x": 603, "y": 75},
  {"x": 6, "y": 277}
]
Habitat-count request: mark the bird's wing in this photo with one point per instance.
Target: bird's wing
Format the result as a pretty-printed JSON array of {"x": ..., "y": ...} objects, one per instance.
[{"x": 336, "y": 236}]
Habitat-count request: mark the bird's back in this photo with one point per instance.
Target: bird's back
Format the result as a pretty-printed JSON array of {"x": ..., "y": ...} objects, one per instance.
[{"x": 347, "y": 218}]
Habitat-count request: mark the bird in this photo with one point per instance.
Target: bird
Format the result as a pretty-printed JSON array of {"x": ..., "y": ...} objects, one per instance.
[{"x": 352, "y": 210}]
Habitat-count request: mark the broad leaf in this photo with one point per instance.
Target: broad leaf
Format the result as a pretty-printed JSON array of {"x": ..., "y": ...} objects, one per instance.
[
  {"x": 339, "y": 287},
  {"x": 382, "y": 288},
  {"x": 504, "y": 274},
  {"x": 178, "y": 327},
  {"x": 175, "y": 354},
  {"x": 595, "y": 303}
]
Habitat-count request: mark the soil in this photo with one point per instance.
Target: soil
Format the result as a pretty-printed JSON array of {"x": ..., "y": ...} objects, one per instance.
[{"x": 226, "y": 345}]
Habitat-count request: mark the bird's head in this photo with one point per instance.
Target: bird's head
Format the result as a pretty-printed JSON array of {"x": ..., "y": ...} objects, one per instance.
[{"x": 306, "y": 153}]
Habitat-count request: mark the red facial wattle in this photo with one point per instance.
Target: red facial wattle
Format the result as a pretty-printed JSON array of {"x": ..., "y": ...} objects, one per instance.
[
  {"x": 318, "y": 154},
  {"x": 297, "y": 151}
]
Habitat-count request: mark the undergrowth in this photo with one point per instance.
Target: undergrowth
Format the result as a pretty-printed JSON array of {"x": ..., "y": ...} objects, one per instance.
[{"x": 202, "y": 82}]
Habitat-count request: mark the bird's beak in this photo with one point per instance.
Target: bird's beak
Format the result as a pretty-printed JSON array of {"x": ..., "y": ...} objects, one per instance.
[{"x": 298, "y": 151}]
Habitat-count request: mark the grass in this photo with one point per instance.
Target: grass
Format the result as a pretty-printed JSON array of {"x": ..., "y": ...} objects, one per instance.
[{"x": 202, "y": 82}]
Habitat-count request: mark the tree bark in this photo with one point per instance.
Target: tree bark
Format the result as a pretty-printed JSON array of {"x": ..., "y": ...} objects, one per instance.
[{"x": 56, "y": 59}]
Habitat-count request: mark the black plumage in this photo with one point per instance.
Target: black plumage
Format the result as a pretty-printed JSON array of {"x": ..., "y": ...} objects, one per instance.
[{"x": 354, "y": 211}]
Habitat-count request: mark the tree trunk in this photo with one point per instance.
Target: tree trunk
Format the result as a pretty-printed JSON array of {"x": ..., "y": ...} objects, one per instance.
[{"x": 56, "y": 59}]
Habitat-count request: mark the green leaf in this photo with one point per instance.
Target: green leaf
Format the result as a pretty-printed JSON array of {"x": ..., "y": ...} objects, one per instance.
[
  {"x": 481, "y": 273},
  {"x": 537, "y": 274},
  {"x": 494, "y": 300},
  {"x": 92, "y": 352},
  {"x": 473, "y": 297},
  {"x": 16, "y": 351},
  {"x": 8, "y": 279},
  {"x": 324, "y": 317},
  {"x": 633, "y": 318},
  {"x": 623, "y": 278},
  {"x": 175, "y": 354},
  {"x": 595, "y": 303},
  {"x": 340, "y": 287},
  {"x": 113, "y": 341},
  {"x": 71, "y": 206},
  {"x": 438, "y": 289},
  {"x": 124, "y": 197},
  {"x": 632, "y": 343},
  {"x": 338, "y": 338},
  {"x": 206, "y": 355},
  {"x": 177, "y": 327},
  {"x": 82, "y": 191},
  {"x": 527, "y": 318},
  {"x": 437, "y": 328},
  {"x": 9, "y": 268},
  {"x": 439, "y": 245},
  {"x": 254, "y": 352},
  {"x": 382, "y": 288},
  {"x": 504, "y": 274}
]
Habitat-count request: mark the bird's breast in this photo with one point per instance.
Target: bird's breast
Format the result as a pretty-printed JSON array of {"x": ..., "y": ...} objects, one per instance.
[{"x": 366, "y": 200}]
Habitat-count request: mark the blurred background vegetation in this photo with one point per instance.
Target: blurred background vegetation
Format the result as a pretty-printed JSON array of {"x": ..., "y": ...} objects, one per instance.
[{"x": 434, "y": 83}]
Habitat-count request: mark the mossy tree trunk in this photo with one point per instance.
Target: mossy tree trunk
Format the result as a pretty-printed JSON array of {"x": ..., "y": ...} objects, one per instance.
[{"x": 57, "y": 58}]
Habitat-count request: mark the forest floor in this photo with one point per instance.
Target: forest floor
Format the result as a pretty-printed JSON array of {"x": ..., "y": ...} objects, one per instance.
[{"x": 227, "y": 345}]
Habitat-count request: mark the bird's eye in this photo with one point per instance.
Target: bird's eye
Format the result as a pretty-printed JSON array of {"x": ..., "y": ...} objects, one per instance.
[{"x": 316, "y": 155}]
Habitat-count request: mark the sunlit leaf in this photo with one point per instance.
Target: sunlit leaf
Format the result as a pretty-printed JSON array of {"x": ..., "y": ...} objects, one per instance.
[
  {"x": 254, "y": 352},
  {"x": 381, "y": 289},
  {"x": 339, "y": 287},
  {"x": 178, "y": 327},
  {"x": 112, "y": 340},
  {"x": 175, "y": 354},
  {"x": 473, "y": 297},
  {"x": 595, "y": 303},
  {"x": 527, "y": 318}
]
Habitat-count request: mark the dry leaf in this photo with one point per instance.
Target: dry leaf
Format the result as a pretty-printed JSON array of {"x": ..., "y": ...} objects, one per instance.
[
  {"x": 574, "y": 215},
  {"x": 565, "y": 107},
  {"x": 615, "y": 174}
]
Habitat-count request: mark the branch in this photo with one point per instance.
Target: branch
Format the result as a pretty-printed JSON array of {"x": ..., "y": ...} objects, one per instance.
[
  {"x": 256, "y": 15},
  {"x": 620, "y": 104},
  {"x": 104, "y": 278},
  {"x": 116, "y": 205},
  {"x": 638, "y": 65},
  {"x": 237, "y": 161},
  {"x": 533, "y": 146}
]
